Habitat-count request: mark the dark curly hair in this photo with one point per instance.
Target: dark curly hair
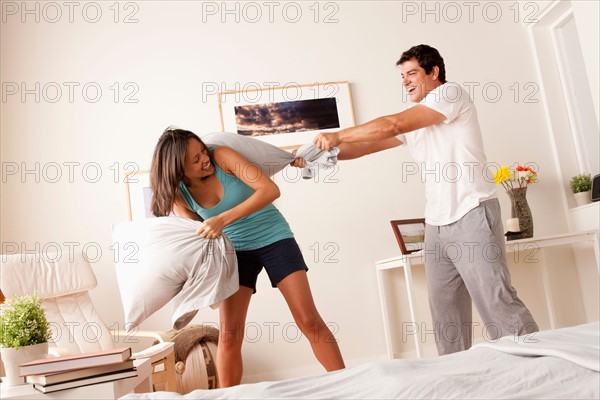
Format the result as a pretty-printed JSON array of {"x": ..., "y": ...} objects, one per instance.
[{"x": 428, "y": 57}]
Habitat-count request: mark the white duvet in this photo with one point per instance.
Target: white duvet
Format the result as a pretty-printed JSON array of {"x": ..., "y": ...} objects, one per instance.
[{"x": 559, "y": 364}]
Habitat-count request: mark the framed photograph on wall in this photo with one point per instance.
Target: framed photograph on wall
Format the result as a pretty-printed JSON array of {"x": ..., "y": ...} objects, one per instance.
[
  {"x": 287, "y": 116},
  {"x": 139, "y": 195},
  {"x": 410, "y": 234}
]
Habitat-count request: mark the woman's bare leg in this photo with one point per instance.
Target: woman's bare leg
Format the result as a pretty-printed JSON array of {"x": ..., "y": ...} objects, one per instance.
[
  {"x": 232, "y": 314},
  {"x": 297, "y": 294}
]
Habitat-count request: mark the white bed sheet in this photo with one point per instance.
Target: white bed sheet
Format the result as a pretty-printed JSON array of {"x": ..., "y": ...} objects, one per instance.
[{"x": 555, "y": 364}]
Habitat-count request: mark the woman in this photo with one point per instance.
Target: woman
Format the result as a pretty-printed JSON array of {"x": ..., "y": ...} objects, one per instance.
[{"x": 234, "y": 197}]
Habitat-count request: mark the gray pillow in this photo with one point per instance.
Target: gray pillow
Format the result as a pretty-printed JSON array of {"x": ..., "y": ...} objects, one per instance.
[{"x": 269, "y": 158}]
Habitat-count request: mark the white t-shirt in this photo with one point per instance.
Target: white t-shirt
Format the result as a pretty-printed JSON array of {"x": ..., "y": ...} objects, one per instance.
[{"x": 451, "y": 158}]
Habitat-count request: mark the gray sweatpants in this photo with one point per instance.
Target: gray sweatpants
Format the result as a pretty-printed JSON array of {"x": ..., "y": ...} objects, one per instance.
[{"x": 466, "y": 260}]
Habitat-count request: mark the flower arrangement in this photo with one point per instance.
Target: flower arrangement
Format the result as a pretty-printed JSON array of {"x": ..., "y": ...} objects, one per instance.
[
  {"x": 518, "y": 178},
  {"x": 23, "y": 322}
]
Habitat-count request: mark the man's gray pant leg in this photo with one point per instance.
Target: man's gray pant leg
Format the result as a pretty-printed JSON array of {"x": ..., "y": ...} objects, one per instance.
[
  {"x": 467, "y": 260},
  {"x": 485, "y": 272},
  {"x": 449, "y": 300}
]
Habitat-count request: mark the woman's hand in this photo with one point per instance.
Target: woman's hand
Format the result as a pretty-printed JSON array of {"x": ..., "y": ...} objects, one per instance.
[
  {"x": 211, "y": 228},
  {"x": 298, "y": 162}
]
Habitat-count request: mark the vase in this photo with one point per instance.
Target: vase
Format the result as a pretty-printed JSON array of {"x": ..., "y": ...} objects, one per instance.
[
  {"x": 12, "y": 358},
  {"x": 582, "y": 198},
  {"x": 520, "y": 209}
]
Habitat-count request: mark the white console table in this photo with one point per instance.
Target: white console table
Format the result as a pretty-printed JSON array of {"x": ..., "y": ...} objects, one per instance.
[{"x": 407, "y": 261}]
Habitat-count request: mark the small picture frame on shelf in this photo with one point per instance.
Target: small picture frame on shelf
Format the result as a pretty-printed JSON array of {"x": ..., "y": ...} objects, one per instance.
[
  {"x": 410, "y": 234},
  {"x": 287, "y": 116}
]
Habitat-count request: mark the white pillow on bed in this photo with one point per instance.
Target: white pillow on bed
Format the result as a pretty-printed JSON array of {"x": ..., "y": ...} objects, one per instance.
[{"x": 159, "y": 259}]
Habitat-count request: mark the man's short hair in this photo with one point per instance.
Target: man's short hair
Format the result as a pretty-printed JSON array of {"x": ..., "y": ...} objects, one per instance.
[{"x": 428, "y": 57}]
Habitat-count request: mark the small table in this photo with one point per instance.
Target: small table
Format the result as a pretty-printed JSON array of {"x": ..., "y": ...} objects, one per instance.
[
  {"x": 407, "y": 261},
  {"x": 106, "y": 390}
]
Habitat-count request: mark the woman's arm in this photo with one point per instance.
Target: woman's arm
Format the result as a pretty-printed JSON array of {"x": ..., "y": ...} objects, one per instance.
[{"x": 266, "y": 191}]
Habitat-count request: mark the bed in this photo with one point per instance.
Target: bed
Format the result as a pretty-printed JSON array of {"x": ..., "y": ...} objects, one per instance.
[{"x": 557, "y": 364}]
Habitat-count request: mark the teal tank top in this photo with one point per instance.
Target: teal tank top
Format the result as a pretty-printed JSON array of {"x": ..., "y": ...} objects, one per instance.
[{"x": 259, "y": 229}]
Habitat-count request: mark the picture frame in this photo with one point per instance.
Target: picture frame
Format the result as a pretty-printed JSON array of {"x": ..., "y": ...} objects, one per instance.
[
  {"x": 139, "y": 195},
  {"x": 287, "y": 116},
  {"x": 410, "y": 234}
]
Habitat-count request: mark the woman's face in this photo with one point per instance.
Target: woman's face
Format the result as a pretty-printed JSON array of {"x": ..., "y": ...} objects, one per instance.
[{"x": 197, "y": 161}]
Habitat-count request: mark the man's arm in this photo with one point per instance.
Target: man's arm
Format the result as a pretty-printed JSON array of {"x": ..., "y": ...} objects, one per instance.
[
  {"x": 349, "y": 151},
  {"x": 382, "y": 128}
]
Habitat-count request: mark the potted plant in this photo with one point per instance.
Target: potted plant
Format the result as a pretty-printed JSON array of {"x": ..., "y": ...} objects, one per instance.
[
  {"x": 24, "y": 334},
  {"x": 581, "y": 185}
]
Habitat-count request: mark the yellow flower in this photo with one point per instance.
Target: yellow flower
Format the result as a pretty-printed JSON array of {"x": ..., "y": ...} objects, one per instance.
[{"x": 502, "y": 175}]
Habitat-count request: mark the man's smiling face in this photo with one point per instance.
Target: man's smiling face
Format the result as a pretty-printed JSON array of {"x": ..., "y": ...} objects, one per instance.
[{"x": 416, "y": 82}]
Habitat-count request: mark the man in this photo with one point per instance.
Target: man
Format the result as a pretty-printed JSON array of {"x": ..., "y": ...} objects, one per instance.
[{"x": 464, "y": 243}]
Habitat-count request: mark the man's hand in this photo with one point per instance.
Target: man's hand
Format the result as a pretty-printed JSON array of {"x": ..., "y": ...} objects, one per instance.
[{"x": 326, "y": 141}]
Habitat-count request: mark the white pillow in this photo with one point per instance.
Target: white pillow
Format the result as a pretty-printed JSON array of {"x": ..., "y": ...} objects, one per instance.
[{"x": 160, "y": 259}]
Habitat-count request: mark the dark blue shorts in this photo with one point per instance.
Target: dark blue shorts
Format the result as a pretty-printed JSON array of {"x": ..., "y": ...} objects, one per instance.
[{"x": 279, "y": 260}]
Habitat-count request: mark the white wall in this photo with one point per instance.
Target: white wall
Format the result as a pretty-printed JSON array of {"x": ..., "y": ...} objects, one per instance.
[{"x": 171, "y": 54}]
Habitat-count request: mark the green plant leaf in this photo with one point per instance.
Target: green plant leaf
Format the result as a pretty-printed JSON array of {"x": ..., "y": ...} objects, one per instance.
[
  {"x": 23, "y": 322},
  {"x": 581, "y": 183}
]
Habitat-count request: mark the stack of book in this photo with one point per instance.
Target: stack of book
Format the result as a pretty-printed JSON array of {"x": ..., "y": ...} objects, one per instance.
[{"x": 58, "y": 373}]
